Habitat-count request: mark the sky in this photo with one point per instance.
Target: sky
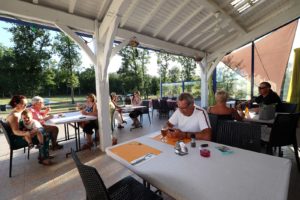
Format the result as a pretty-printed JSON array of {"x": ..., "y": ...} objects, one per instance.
[{"x": 152, "y": 68}]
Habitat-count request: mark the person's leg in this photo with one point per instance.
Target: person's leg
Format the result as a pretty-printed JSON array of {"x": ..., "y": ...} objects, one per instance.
[
  {"x": 119, "y": 119},
  {"x": 53, "y": 132},
  {"x": 29, "y": 141},
  {"x": 88, "y": 129}
]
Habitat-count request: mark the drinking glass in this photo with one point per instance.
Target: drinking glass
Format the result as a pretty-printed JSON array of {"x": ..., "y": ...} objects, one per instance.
[{"x": 164, "y": 132}]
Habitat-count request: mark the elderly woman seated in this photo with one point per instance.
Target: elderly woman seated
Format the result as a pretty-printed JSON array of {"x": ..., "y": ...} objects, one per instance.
[{"x": 222, "y": 110}]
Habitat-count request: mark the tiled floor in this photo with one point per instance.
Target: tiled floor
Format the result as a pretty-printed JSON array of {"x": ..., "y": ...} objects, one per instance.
[{"x": 61, "y": 180}]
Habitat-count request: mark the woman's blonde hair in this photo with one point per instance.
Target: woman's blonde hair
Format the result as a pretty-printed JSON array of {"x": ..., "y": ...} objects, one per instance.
[
  {"x": 92, "y": 96},
  {"x": 221, "y": 96}
]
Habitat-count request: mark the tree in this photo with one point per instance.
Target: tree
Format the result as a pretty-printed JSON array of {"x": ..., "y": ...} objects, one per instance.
[
  {"x": 188, "y": 67},
  {"x": 133, "y": 69},
  {"x": 70, "y": 60},
  {"x": 30, "y": 53},
  {"x": 87, "y": 80},
  {"x": 174, "y": 74},
  {"x": 163, "y": 62}
]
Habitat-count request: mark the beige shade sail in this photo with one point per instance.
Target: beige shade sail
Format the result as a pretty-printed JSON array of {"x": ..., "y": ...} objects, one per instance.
[{"x": 271, "y": 54}]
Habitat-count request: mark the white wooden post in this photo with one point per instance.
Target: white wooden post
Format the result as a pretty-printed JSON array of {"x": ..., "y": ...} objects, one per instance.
[{"x": 204, "y": 85}]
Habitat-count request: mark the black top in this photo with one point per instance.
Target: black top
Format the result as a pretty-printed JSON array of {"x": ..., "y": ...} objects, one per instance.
[{"x": 271, "y": 98}]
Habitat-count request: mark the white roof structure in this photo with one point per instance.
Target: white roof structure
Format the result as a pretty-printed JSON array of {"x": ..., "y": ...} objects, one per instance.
[
  {"x": 184, "y": 27},
  {"x": 194, "y": 28}
]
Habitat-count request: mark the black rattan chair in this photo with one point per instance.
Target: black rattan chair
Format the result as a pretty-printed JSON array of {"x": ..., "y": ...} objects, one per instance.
[
  {"x": 126, "y": 189},
  {"x": 283, "y": 133},
  {"x": 239, "y": 134},
  {"x": 286, "y": 107},
  {"x": 155, "y": 105},
  {"x": 214, "y": 123},
  {"x": 10, "y": 137},
  {"x": 164, "y": 109},
  {"x": 145, "y": 110}
]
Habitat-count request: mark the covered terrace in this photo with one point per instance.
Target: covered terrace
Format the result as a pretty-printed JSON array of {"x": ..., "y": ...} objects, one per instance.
[{"x": 206, "y": 30}]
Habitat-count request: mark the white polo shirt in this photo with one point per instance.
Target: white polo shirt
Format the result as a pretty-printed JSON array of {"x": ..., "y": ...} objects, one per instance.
[{"x": 197, "y": 122}]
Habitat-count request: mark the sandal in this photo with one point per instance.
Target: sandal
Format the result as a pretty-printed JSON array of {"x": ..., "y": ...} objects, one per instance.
[
  {"x": 124, "y": 122},
  {"x": 87, "y": 146},
  {"x": 120, "y": 126},
  {"x": 57, "y": 147},
  {"x": 114, "y": 141},
  {"x": 46, "y": 162}
]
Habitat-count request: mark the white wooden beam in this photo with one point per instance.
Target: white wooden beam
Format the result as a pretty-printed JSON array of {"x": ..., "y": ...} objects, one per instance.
[
  {"x": 184, "y": 22},
  {"x": 72, "y": 4},
  {"x": 78, "y": 40},
  {"x": 130, "y": 10},
  {"x": 225, "y": 15},
  {"x": 170, "y": 17},
  {"x": 116, "y": 9},
  {"x": 150, "y": 15},
  {"x": 214, "y": 65},
  {"x": 276, "y": 21},
  {"x": 194, "y": 28},
  {"x": 223, "y": 42},
  {"x": 212, "y": 41},
  {"x": 207, "y": 29},
  {"x": 103, "y": 6},
  {"x": 118, "y": 48},
  {"x": 204, "y": 39},
  {"x": 32, "y": 12},
  {"x": 160, "y": 44}
]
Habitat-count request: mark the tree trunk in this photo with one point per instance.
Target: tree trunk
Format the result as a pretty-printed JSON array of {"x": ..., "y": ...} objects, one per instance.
[{"x": 72, "y": 95}]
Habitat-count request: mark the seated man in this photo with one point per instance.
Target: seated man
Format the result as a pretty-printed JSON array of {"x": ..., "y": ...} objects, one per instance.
[
  {"x": 189, "y": 119},
  {"x": 267, "y": 95}
]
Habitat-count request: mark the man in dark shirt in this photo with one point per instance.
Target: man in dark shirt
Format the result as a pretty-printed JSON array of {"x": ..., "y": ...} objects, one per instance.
[{"x": 267, "y": 95}]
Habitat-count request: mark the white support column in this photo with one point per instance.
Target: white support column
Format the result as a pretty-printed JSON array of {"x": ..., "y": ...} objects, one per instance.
[
  {"x": 104, "y": 37},
  {"x": 204, "y": 85}
]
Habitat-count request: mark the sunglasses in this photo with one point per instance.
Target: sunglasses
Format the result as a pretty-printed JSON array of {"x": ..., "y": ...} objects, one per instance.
[{"x": 260, "y": 88}]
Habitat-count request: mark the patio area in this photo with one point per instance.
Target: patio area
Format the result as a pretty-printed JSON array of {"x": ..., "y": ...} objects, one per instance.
[{"x": 31, "y": 180}]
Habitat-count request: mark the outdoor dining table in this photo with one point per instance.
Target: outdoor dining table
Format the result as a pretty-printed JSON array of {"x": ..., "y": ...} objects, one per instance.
[
  {"x": 254, "y": 117},
  {"x": 70, "y": 119},
  {"x": 129, "y": 108},
  {"x": 240, "y": 174}
]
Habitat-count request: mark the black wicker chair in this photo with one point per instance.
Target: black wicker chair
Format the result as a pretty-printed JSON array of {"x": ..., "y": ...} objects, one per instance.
[
  {"x": 10, "y": 137},
  {"x": 164, "y": 109},
  {"x": 145, "y": 110},
  {"x": 286, "y": 107},
  {"x": 239, "y": 134},
  {"x": 214, "y": 123},
  {"x": 283, "y": 133},
  {"x": 126, "y": 189},
  {"x": 155, "y": 105}
]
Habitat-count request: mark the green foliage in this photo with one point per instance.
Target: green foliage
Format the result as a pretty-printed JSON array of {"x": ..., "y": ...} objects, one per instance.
[
  {"x": 188, "y": 67},
  {"x": 69, "y": 62},
  {"x": 174, "y": 74},
  {"x": 133, "y": 70},
  {"x": 163, "y": 62},
  {"x": 87, "y": 80},
  {"x": 24, "y": 62}
]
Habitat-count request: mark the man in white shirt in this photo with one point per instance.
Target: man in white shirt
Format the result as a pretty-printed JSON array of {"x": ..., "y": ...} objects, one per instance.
[{"x": 189, "y": 119}]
